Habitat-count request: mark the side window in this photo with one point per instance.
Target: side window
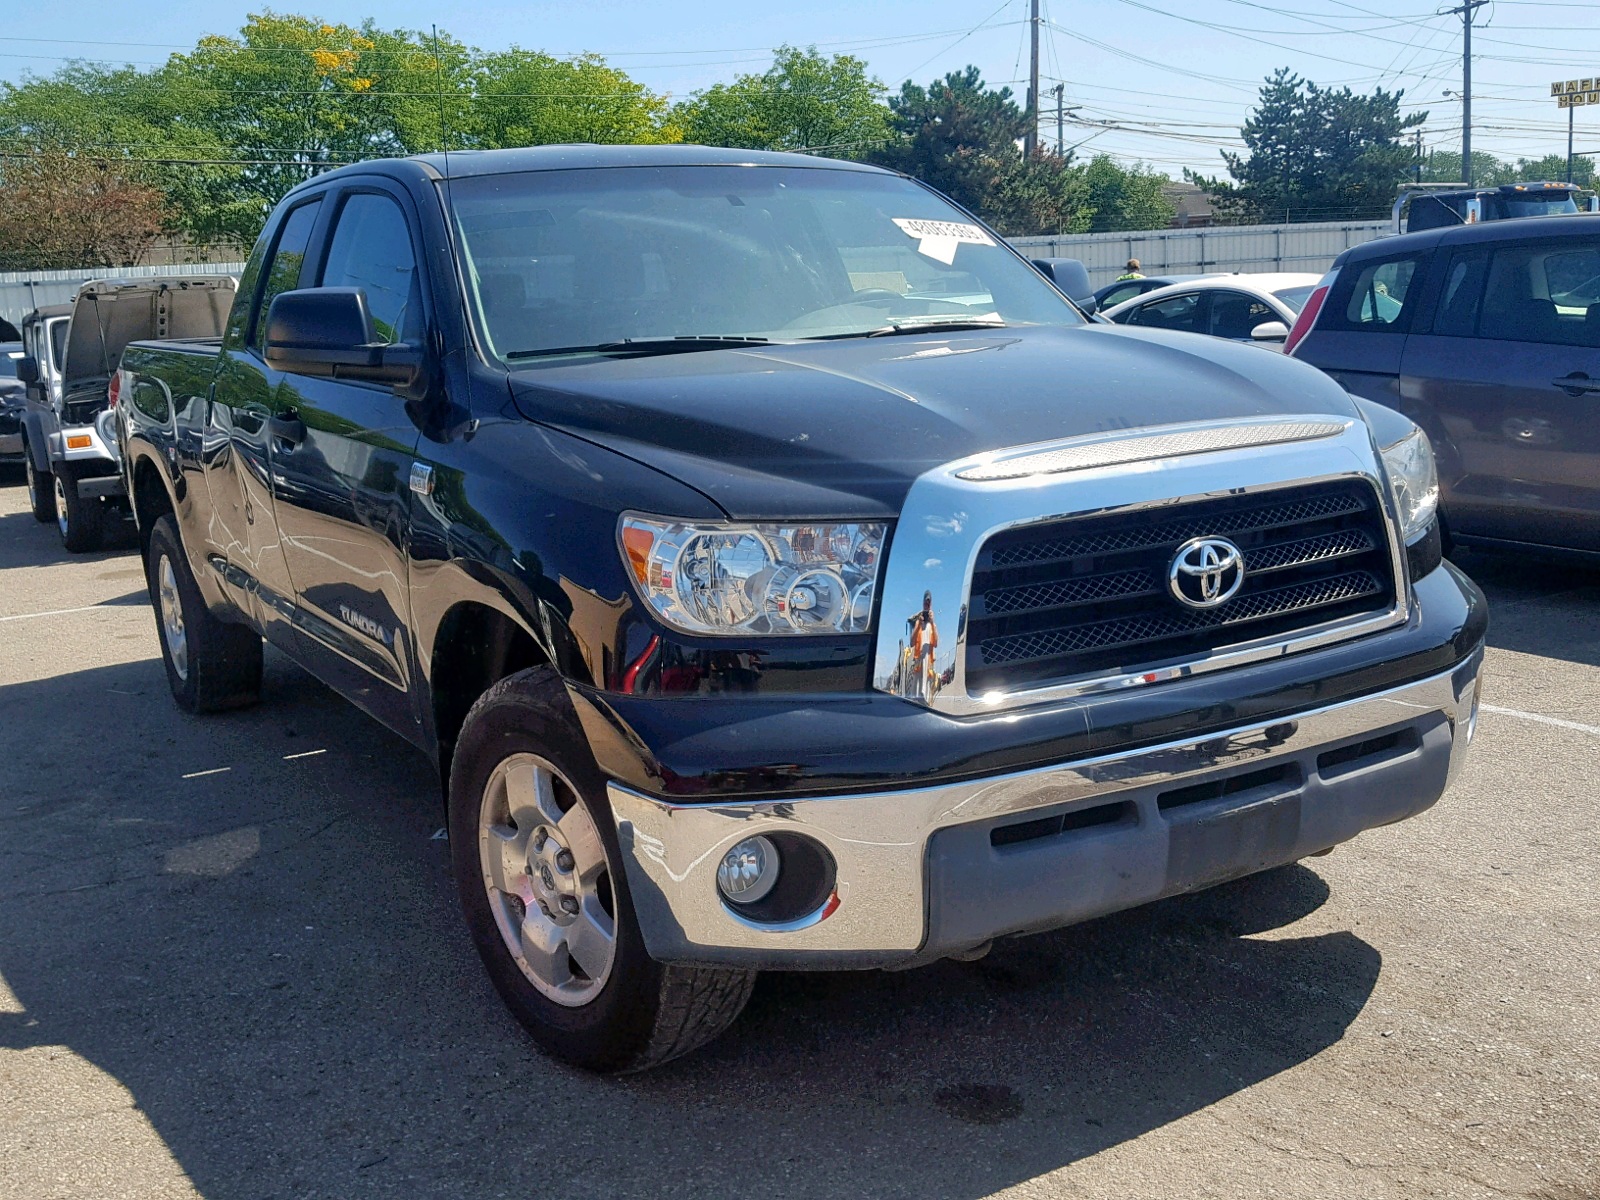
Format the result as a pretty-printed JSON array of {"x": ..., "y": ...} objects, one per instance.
[
  {"x": 1462, "y": 294},
  {"x": 1175, "y": 312},
  {"x": 371, "y": 250},
  {"x": 288, "y": 256},
  {"x": 1375, "y": 297},
  {"x": 1543, "y": 292},
  {"x": 1117, "y": 295},
  {"x": 1234, "y": 315}
]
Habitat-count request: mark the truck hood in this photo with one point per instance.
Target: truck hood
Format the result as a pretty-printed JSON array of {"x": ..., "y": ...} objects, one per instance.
[
  {"x": 110, "y": 313},
  {"x": 841, "y": 428}
]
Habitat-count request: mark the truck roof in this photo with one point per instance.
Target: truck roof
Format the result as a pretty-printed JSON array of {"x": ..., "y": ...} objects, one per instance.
[{"x": 465, "y": 164}]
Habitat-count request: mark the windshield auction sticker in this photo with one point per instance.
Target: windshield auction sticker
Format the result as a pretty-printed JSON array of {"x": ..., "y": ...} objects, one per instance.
[{"x": 939, "y": 239}]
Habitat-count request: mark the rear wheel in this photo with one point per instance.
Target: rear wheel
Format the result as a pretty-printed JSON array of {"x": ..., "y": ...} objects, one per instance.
[
  {"x": 80, "y": 521},
  {"x": 41, "y": 489},
  {"x": 539, "y": 872},
  {"x": 211, "y": 664}
]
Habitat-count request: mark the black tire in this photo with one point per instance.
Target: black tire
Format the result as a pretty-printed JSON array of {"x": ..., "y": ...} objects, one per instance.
[
  {"x": 41, "y": 489},
  {"x": 80, "y": 521},
  {"x": 646, "y": 1012},
  {"x": 218, "y": 665}
]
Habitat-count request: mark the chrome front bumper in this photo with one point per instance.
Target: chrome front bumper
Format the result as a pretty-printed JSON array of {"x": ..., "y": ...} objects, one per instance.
[{"x": 922, "y": 874}]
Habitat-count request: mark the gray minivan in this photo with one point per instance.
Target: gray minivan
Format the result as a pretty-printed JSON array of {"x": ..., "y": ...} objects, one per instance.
[{"x": 1488, "y": 336}]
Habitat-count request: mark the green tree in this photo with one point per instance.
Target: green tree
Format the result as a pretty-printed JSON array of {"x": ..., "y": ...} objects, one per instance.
[
  {"x": 149, "y": 122},
  {"x": 1316, "y": 153},
  {"x": 961, "y": 137},
  {"x": 292, "y": 95},
  {"x": 526, "y": 98},
  {"x": 1444, "y": 166},
  {"x": 1553, "y": 168},
  {"x": 1126, "y": 197},
  {"x": 804, "y": 101},
  {"x": 61, "y": 209}
]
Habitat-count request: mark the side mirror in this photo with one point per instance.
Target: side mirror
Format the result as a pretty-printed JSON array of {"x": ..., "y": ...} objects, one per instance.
[
  {"x": 329, "y": 332},
  {"x": 28, "y": 369},
  {"x": 1070, "y": 277},
  {"x": 1270, "y": 331}
]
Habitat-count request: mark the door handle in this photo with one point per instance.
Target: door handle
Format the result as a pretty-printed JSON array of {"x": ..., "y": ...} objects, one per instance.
[
  {"x": 1577, "y": 384},
  {"x": 287, "y": 427}
]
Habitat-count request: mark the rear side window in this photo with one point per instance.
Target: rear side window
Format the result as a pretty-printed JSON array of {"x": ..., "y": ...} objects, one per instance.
[
  {"x": 1462, "y": 295},
  {"x": 1543, "y": 292},
  {"x": 1374, "y": 297},
  {"x": 371, "y": 250},
  {"x": 1117, "y": 295},
  {"x": 288, "y": 256},
  {"x": 1178, "y": 312}
]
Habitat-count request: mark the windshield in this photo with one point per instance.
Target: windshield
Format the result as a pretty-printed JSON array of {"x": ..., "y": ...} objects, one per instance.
[
  {"x": 9, "y": 353},
  {"x": 579, "y": 261},
  {"x": 58, "y": 341},
  {"x": 1296, "y": 297},
  {"x": 1516, "y": 206}
]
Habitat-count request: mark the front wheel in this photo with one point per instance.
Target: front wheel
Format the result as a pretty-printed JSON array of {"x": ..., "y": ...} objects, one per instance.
[
  {"x": 80, "y": 522},
  {"x": 211, "y": 664},
  {"x": 41, "y": 489},
  {"x": 539, "y": 872}
]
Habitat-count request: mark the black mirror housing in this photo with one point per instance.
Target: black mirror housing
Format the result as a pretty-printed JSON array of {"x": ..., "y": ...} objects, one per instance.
[
  {"x": 1071, "y": 277},
  {"x": 28, "y": 369},
  {"x": 315, "y": 330}
]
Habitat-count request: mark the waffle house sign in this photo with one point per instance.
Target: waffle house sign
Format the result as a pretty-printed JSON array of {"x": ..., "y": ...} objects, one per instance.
[{"x": 1575, "y": 93}]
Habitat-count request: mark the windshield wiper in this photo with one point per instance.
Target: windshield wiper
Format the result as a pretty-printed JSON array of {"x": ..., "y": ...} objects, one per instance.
[
  {"x": 677, "y": 344},
  {"x": 936, "y": 324},
  {"x": 932, "y": 324}
]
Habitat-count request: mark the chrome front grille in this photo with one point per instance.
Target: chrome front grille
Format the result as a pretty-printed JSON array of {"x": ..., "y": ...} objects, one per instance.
[{"x": 1058, "y": 600}]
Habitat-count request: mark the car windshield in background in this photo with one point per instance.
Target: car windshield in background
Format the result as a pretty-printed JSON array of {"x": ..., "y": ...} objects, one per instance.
[
  {"x": 1518, "y": 207},
  {"x": 8, "y": 360},
  {"x": 1296, "y": 297},
  {"x": 589, "y": 261}
]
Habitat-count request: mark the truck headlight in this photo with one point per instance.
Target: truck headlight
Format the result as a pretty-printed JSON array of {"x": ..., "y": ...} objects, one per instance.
[
  {"x": 755, "y": 579},
  {"x": 1413, "y": 482}
]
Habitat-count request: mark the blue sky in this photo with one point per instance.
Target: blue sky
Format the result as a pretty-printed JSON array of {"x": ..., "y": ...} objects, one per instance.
[{"x": 1176, "y": 109}]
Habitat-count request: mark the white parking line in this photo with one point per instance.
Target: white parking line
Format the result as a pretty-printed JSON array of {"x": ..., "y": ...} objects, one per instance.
[
  {"x": 212, "y": 771},
  {"x": 1541, "y": 719},
  {"x": 56, "y": 612}
]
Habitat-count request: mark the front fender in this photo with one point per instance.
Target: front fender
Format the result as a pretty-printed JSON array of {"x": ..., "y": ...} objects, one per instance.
[{"x": 36, "y": 439}]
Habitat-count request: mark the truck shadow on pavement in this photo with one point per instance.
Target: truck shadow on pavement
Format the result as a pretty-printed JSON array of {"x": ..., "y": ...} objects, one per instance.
[
  {"x": 247, "y": 922},
  {"x": 1537, "y": 606},
  {"x": 26, "y": 542}
]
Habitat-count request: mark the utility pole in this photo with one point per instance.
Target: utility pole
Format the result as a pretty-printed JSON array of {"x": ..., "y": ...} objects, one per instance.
[
  {"x": 1061, "y": 126},
  {"x": 1466, "y": 10},
  {"x": 1569, "y": 145},
  {"x": 1030, "y": 139},
  {"x": 1419, "y": 156}
]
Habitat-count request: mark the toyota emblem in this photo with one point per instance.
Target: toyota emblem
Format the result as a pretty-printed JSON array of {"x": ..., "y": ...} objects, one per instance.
[{"x": 1205, "y": 572}]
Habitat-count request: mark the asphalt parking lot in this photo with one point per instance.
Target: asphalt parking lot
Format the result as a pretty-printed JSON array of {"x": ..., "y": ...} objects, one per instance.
[{"x": 231, "y": 967}]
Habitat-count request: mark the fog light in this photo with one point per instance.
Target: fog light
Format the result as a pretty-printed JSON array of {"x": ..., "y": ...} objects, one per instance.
[{"x": 748, "y": 871}]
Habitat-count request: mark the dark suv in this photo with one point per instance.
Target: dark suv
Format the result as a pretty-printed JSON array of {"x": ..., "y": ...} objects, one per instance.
[{"x": 1488, "y": 336}]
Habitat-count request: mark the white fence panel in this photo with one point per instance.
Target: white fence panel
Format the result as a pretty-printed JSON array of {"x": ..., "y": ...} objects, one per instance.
[{"x": 1308, "y": 247}]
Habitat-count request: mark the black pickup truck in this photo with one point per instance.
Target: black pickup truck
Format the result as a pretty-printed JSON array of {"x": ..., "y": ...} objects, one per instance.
[{"x": 783, "y": 573}]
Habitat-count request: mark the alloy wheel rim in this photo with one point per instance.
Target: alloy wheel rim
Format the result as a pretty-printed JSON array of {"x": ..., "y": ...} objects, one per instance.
[
  {"x": 61, "y": 506},
  {"x": 172, "y": 629},
  {"x": 548, "y": 880}
]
